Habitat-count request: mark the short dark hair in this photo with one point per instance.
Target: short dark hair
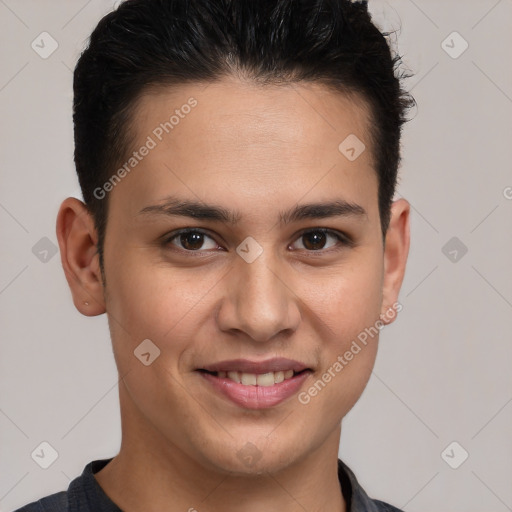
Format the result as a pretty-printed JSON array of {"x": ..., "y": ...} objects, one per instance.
[{"x": 164, "y": 42}]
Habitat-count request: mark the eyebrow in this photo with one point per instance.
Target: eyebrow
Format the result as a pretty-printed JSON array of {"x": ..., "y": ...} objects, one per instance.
[{"x": 174, "y": 206}]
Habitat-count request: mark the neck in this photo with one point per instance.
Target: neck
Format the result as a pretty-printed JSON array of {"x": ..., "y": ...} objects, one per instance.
[{"x": 152, "y": 474}]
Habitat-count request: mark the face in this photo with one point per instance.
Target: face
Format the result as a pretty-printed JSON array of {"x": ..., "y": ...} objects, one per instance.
[{"x": 258, "y": 281}]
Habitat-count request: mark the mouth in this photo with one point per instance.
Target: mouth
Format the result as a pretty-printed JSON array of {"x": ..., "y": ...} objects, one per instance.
[
  {"x": 254, "y": 379},
  {"x": 255, "y": 385}
]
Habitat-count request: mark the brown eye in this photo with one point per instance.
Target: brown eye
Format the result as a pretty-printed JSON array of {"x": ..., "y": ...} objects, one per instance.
[
  {"x": 316, "y": 240},
  {"x": 191, "y": 240}
]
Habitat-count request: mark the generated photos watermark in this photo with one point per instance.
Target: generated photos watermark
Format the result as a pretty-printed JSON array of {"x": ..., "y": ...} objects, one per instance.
[
  {"x": 343, "y": 360},
  {"x": 157, "y": 135}
]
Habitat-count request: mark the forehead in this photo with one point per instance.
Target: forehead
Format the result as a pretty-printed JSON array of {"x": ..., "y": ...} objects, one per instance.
[
  {"x": 257, "y": 142},
  {"x": 240, "y": 112}
]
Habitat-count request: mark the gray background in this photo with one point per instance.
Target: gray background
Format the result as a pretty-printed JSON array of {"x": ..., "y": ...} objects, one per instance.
[{"x": 443, "y": 369}]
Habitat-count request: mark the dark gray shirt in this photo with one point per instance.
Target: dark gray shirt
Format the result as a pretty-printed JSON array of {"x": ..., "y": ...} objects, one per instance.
[{"x": 84, "y": 494}]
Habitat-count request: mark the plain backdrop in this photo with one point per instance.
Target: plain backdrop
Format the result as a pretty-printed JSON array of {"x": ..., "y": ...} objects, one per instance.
[{"x": 443, "y": 370}]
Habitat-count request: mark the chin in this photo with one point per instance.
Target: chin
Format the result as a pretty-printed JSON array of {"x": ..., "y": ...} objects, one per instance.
[{"x": 251, "y": 458}]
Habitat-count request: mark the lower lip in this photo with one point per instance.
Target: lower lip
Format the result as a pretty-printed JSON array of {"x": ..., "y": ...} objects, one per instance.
[{"x": 257, "y": 397}]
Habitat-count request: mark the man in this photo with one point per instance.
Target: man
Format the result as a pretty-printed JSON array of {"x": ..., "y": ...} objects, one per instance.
[{"x": 238, "y": 162}]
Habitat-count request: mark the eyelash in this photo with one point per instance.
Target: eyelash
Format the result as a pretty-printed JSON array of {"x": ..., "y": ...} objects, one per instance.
[{"x": 345, "y": 240}]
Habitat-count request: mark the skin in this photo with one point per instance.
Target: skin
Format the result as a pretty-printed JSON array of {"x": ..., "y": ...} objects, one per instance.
[{"x": 258, "y": 151}]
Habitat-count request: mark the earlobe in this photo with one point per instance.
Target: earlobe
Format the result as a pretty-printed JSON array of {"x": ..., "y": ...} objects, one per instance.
[
  {"x": 396, "y": 251},
  {"x": 80, "y": 260}
]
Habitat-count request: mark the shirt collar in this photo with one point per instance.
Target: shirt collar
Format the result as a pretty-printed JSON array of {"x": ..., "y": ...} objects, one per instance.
[
  {"x": 85, "y": 492},
  {"x": 355, "y": 496}
]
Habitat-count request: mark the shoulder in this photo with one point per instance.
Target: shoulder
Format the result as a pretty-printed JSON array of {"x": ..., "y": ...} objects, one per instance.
[
  {"x": 83, "y": 494},
  {"x": 356, "y": 497},
  {"x": 57, "y": 502},
  {"x": 385, "y": 507}
]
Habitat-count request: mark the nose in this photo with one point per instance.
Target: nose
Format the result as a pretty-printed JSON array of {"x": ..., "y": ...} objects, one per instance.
[{"x": 259, "y": 300}]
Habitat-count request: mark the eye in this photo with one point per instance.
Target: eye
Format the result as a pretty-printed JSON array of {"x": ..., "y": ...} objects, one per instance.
[
  {"x": 315, "y": 239},
  {"x": 190, "y": 240},
  {"x": 193, "y": 240}
]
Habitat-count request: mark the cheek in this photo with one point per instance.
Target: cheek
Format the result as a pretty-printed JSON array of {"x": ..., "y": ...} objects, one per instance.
[
  {"x": 149, "y": 301},
  {"x": 350, "y": 309},
  {"x": 150, "y": 298},
  {"x": 350, "y": 299}
]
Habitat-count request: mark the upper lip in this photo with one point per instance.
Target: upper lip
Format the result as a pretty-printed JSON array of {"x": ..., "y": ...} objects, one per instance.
[{"x": 275, "y": 364}]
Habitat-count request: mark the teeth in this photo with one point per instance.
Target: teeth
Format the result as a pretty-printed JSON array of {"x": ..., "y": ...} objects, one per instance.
[
  {"x": 234, "y": 376},
  {"x": 265, "y": 379},
  {"x": 248, "y": 379},
  {"x": 252, "y": 379}
]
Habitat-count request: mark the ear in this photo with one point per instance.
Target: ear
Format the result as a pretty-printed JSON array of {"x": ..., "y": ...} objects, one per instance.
[
  {"x": 396, "y": 250},
  {"x": 78, "y": 251}
]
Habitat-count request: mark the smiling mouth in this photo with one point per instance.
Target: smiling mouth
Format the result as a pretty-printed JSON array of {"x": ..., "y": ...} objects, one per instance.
[{"x": 254, "y": 379}]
